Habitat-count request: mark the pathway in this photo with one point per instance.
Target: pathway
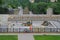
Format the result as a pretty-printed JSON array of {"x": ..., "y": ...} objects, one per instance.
[{"x": 25, "y": 37}]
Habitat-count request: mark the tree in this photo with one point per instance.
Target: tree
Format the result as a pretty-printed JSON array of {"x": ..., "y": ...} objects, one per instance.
[
  {"x": 38, "y": 8},
  {"x": 34, "y": 8},
  {"x": 42, "y": 6},
  {"x": 58, "y": 0},
  {"x": 42, "y": 1},
  {"x": 0, "y": 2},
  {"x": 24, "y": 3},
  {"x": 56, "y": 8},
  {"x": 3, "y": 9}
]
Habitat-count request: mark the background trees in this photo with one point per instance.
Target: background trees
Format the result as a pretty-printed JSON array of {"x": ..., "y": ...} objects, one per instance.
[
  {"x": 38, "y": 7},
  {"x": 44, "y": 4},
  {"x": 42, "y": 1},
  {"x": 24, "y": 3},
  {"x": 2, "y": 10},
  {"x": 56, "y": 8},
  {"x": 58, "y": 0},
  {"x": 0, "y": 2}
]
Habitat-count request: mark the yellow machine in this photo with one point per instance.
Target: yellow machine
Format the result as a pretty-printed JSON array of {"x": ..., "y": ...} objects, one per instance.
[{"x": 28, "y": 23}]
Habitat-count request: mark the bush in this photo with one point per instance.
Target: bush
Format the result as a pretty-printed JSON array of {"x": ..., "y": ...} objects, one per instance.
[
  {"x": 42, "y": 1},
  {"x": 56, "y": 8},
  {"x": 58, "y": 0},
  {"x": 4, "y": 10},
  {"x": 0, "y": 2},
  {"x": 24, "y": 3},
  {"x": 38, "y": 8}
]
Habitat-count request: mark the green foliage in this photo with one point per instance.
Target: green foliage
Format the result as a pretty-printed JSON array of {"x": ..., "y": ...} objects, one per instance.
[
  {"x": 38, "y": 8},
  {"x": 24, "y": 3},
  {"x": 42, "y": 7},
  {"x": 42, "y": 1},
  {"x": 58, "y": 0},
  {"x": 16, "y": 3},
  {"x": 34, "y": 8},
  {"x": 13, "y": 3},
  {"x": 0, "y": 2},
  {"x": 56, "y": 8},
  {"x": 4, "y": 10}
]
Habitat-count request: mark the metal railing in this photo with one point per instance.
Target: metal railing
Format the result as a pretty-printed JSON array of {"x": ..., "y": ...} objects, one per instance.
[{"x": 34, "y": 30}]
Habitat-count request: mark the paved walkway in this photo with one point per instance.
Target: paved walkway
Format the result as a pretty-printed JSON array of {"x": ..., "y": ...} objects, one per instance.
[{"x": 25, "y": 37}]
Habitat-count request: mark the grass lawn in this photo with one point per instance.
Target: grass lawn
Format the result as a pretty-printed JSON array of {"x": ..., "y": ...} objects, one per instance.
[
  {"x": 8, "y": 37},
  {"x": 47, "y": 37}
]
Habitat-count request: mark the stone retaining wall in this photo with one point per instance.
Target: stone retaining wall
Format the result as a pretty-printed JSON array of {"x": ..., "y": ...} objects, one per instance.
[{"x": 34, "y": 17}]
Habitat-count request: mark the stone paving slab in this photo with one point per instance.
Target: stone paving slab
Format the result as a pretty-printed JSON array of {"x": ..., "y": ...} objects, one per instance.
[{"x": 25, "y": 37}]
